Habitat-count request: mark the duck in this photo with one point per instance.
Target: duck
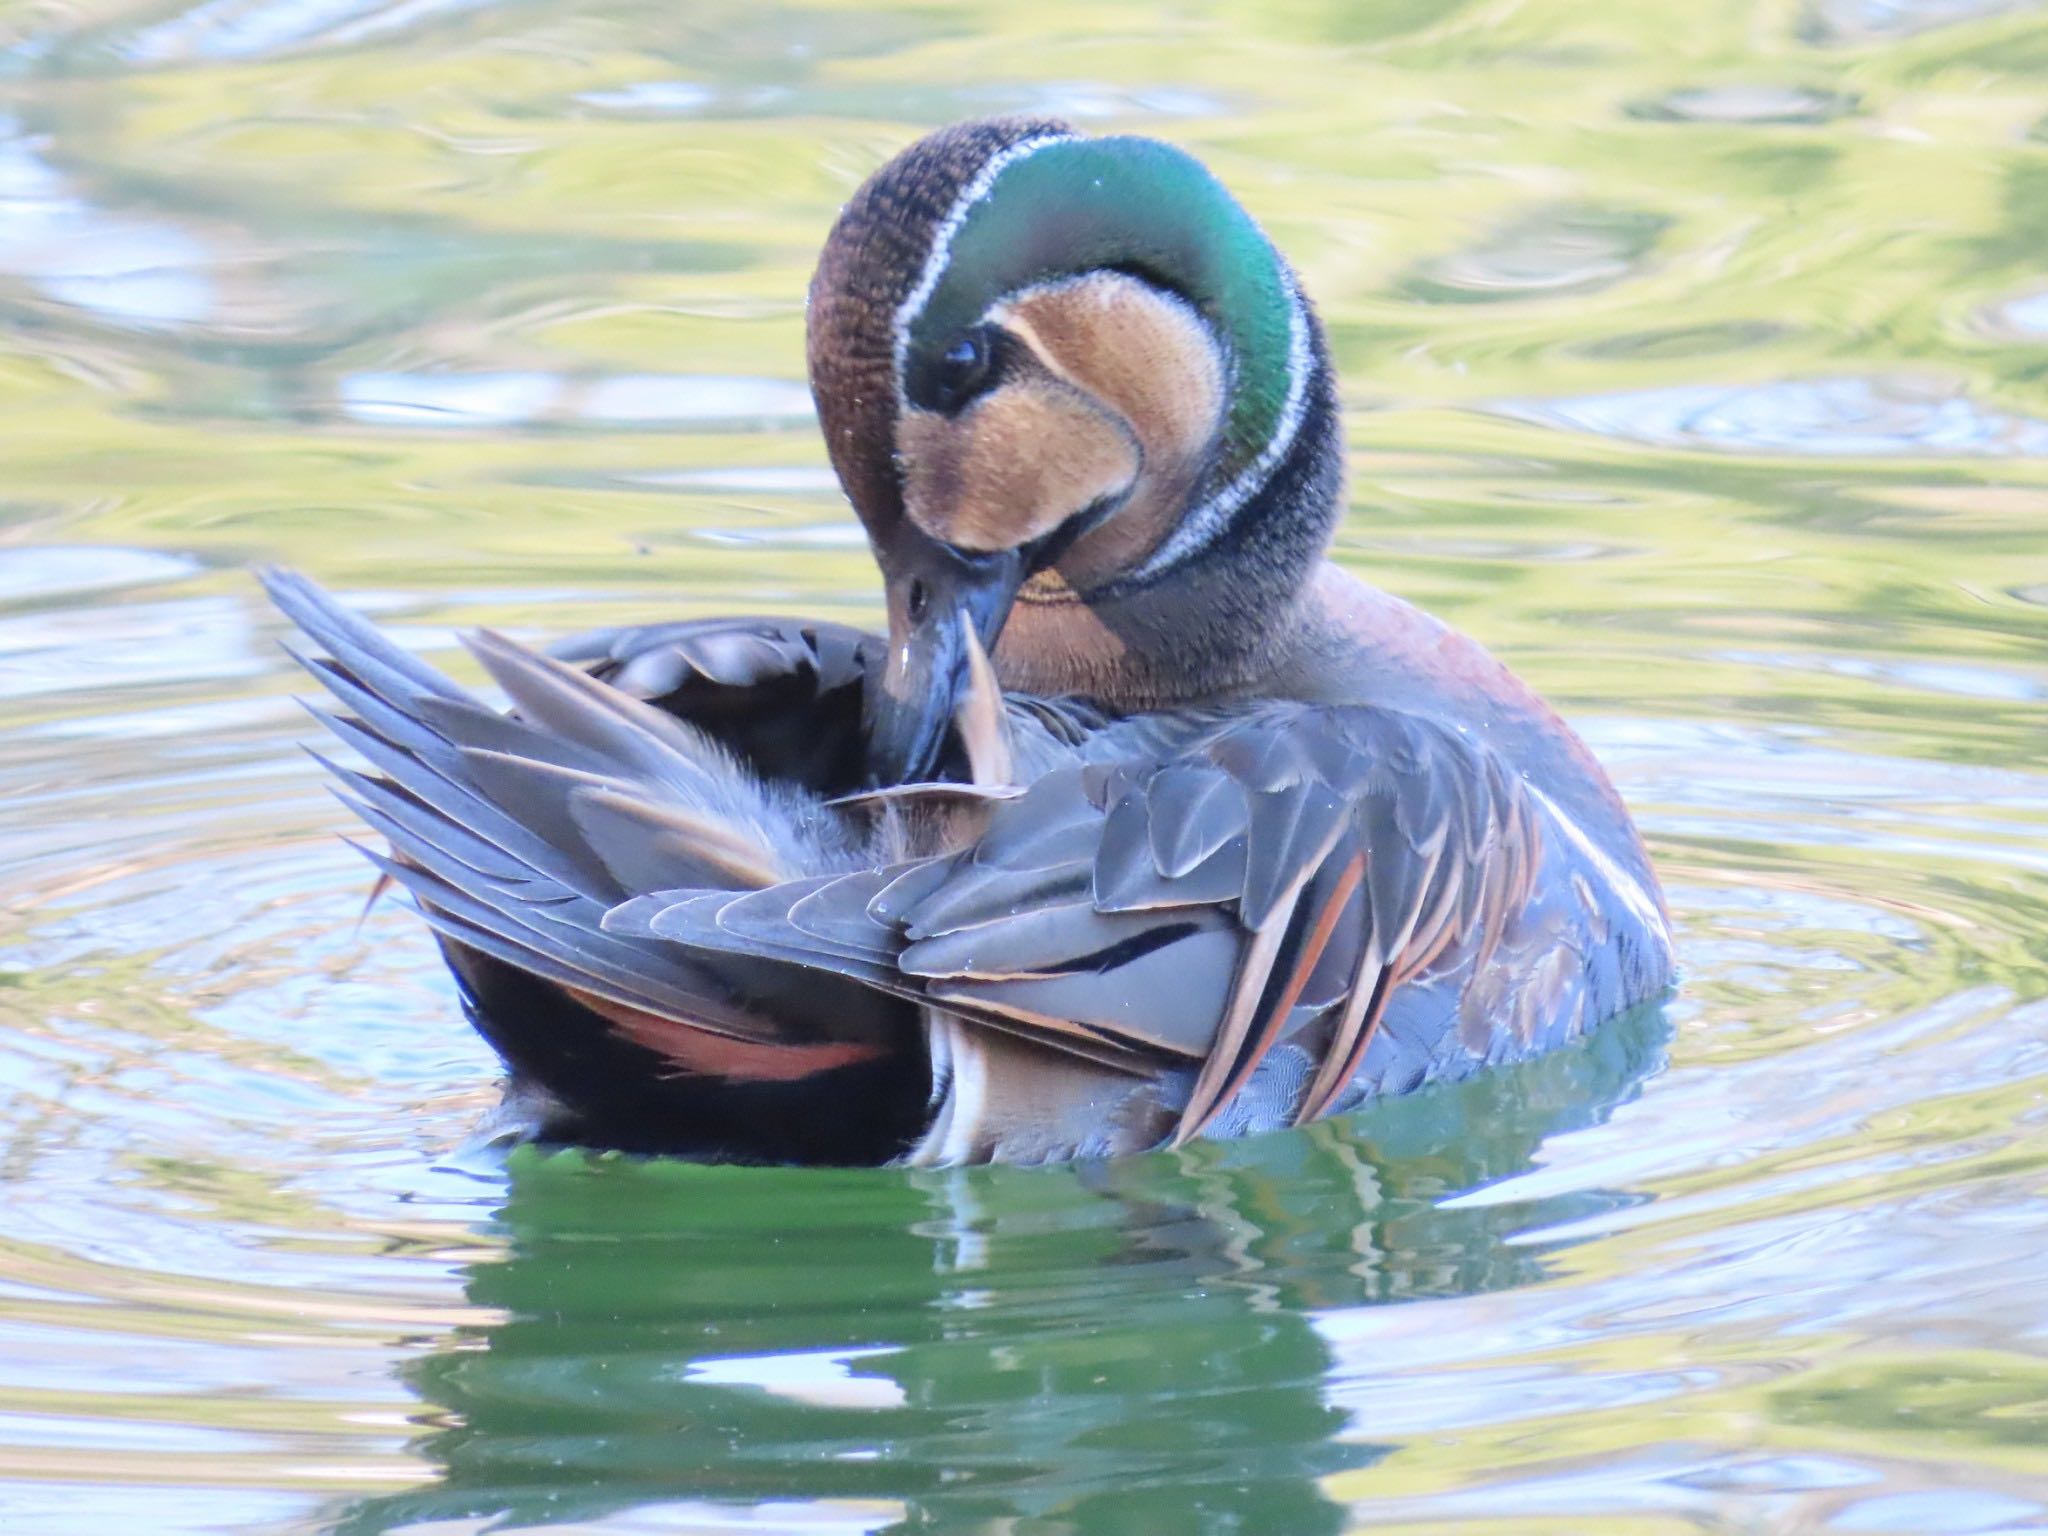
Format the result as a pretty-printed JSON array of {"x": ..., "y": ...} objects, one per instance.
[{"x": 1141, "y": 821}]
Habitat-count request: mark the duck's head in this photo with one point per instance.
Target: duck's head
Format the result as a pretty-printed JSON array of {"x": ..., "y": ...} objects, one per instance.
[{"x": 1074, "y": 371}]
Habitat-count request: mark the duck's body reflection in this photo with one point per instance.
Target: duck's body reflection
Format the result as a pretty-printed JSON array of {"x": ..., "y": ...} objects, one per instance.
[{"x": 1103, "y": 1347}]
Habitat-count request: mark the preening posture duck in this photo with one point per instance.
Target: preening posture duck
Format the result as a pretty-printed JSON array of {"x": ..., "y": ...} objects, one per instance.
[{"x": 1143, "y": 821}]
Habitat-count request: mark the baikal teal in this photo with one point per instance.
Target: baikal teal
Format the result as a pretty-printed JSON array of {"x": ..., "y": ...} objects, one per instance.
[
  {"x": 1693, "y": 359},
  {"x": 791, "y": 892}
]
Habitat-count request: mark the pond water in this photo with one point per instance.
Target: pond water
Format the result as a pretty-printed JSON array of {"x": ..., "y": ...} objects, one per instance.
[{"x": 1696, "y": 359}]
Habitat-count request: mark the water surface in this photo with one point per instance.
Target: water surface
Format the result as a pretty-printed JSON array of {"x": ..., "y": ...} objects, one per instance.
[{"x": 1696, "y": 359}]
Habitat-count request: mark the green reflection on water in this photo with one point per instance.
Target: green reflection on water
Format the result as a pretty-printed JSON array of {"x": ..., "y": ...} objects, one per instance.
[{"x": 1106, "y": 1345}]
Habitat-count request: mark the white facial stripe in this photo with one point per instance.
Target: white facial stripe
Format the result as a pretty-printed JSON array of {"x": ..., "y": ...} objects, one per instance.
[
  {"x": 1204, "y": 522},
  {"x": 942, "y": 242}
]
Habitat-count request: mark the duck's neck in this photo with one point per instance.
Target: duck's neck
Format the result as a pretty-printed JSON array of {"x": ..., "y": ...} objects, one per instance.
[
  {"x": 1363, "y": 646},
  {"x": 1156, "y": 647},
  {"x": 1225, "y": 618}
]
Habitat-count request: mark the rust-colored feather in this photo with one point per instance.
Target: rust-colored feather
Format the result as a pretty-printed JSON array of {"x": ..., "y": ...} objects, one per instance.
[
  {"x": 1324, "y": 926},
  {"x": 692, "y": 1046}
]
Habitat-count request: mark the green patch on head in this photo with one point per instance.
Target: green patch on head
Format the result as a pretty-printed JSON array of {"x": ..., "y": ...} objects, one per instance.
[{"x": 1072, "y": 206}]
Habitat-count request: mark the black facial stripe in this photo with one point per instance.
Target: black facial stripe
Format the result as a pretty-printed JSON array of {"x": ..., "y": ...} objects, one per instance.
[
  {"x": 1276, "y": 524},
  {"x": 971, "y": 365},
  {"x": 1047, "y": 548}
]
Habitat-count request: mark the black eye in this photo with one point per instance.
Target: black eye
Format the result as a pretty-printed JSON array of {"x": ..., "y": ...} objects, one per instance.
[
  {"x": 919, "y": 601},
  {"x": 963, "y": 369}
]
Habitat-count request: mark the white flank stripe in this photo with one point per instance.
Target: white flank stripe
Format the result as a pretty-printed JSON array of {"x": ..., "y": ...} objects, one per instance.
[{"x": 1626, "y": 886}]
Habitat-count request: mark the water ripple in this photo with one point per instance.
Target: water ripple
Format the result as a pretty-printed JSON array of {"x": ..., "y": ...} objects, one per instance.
[
  {"x": 544, "y": 399},
  {"x": 1843, "y": 417},
  {"x": 247, "y": 29},
  {"x": 143, "y": 272}
]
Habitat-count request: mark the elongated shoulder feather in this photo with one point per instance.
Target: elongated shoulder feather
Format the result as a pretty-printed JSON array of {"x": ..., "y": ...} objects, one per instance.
[{"x": 1273, "y": 875}]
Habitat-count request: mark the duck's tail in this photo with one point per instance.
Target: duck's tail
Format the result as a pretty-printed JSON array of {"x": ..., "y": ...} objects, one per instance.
[{"x": 517, "y": 833}]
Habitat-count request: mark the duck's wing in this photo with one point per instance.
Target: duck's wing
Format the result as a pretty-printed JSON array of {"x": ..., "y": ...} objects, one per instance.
[
  {"x": 517, "y": 833},
  {"x": 785, "y": 696},
  {"x": 1272, "y": 876}
]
